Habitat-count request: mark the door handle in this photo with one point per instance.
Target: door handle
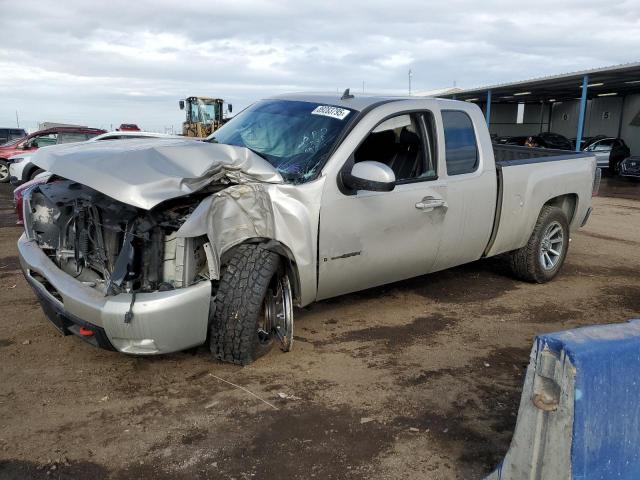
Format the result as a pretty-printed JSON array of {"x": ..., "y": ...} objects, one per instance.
[{"x": 427, "y": 204}]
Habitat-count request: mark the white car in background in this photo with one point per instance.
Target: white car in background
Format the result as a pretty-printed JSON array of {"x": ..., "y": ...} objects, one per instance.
[{"x": 21, "y": 169}]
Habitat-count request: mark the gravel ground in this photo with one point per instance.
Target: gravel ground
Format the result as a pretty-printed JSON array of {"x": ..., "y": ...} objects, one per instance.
[{"x": 418, "y": 379}]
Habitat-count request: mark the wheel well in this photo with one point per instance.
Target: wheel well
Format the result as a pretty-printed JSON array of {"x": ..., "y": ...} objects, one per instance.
[
  {"x": 567, "y": 203},
  {"x": 289, "y": 262},
  {"x": 28, "y": 171}
]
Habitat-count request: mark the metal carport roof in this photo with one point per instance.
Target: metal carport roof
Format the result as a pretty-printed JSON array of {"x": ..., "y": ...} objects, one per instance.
[{"x": 621, "y": 79}]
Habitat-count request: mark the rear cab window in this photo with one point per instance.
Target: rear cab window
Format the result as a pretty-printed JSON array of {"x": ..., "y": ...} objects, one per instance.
[{"x": 461, "y": 149}]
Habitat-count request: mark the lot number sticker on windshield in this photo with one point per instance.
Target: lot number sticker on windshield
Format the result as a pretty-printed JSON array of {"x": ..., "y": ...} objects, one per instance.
[{"x": 329, "y": 111}]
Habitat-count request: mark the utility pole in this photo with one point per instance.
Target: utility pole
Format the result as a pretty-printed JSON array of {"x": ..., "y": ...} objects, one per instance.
[
  {"x": 362, "y": 86},
  {"x": 17, "y": 119},
  {"x": 410, "y": 75}
]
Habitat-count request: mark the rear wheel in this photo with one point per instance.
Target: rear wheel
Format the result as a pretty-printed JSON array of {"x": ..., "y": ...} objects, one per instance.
[
  {"x": 4, "y": 171},
  {"x": 253, "y": 306},
  {"x": 541, "y": 258}
]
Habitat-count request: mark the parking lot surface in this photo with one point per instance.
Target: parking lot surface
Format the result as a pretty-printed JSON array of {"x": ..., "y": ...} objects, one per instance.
[{"x": 418, "y": 379}]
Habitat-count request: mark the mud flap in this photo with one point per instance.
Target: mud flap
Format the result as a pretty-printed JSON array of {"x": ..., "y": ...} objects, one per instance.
[{"x": 579, "y": 415}]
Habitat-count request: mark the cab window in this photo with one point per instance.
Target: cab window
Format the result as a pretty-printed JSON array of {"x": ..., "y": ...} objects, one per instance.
[
  {"x": 405, "y": 143},
  {"x": 461, "y": 149}
]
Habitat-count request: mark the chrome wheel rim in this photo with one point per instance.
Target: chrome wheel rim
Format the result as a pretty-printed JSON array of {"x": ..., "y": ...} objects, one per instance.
[
  {"x": 4, "y": 172},
  {"x": 551, "y": 246},
  {"x": 278, "y": 313}
]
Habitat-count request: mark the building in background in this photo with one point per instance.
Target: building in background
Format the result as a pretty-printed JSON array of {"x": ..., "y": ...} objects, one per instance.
[{"x": 602, "y": 101}]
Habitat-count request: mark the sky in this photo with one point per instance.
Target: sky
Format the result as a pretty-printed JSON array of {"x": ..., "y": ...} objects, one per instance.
[{"x": 105, "y": 63}]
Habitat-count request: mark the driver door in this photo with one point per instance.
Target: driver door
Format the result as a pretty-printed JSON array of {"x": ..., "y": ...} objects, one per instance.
[{"x": 373, "y": 238}]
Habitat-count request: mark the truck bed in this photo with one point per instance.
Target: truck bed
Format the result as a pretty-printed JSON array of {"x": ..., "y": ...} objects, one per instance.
[
  {"x": 509, "y": 155},
  {"x": 528, "y": 177}
]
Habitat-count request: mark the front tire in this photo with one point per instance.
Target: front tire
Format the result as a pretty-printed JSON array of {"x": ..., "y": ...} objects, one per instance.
[
  {"x": 540, "y": 260},
  {"x": 4, "y": 171},
  {"x": 35, "y": 173},
  {"x": 243, "y": 326}
]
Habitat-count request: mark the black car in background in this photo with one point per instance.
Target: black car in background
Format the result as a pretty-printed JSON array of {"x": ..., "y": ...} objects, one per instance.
[
  {"x": 543, "y": 140},
  {"x": 554, "y": 140},
  {"x": 8, "y": 134}
]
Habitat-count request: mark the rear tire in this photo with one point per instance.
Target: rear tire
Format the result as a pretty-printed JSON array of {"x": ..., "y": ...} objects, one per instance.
[
  {"x": 540, "y": 260},
  {"x": 237, "y": 334}
]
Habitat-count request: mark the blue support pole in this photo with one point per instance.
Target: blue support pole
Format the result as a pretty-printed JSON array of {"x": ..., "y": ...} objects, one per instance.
[
  {"x": 488, "y": 109},
  {"x": 583, "y": 111}
]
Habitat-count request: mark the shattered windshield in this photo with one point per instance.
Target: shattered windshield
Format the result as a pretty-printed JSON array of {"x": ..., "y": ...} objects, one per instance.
[{"x": 294, "y": 137}]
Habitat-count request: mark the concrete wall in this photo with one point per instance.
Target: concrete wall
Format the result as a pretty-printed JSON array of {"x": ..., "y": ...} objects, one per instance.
[
  {"x": 631, "y": 134},
  {"x": 603, "y": 117},
  {"x": 503, "y": 119},
  {"x": 564, "y": 118}
]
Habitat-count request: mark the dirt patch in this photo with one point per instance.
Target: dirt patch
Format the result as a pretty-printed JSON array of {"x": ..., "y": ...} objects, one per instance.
[
  {"x": 478, "y": 423},
  {"x": 8, "y": 264},
  {"x": 576, "y": 269},
  {"x": 600, "y": 236},
  {"x": 423, "y": 329},
  {"x": 320, "y": 443},
  {"x": 619, "y": 187},
  {"x": 500, "y": 361},
  {"x": 628, "y": 297},
  {"x": 21, "y": 470},
  {"x": 550, "y": 313},
  {"x": 476, "y": 282}
]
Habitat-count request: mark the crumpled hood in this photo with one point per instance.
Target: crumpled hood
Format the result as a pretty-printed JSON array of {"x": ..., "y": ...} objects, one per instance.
[{"x": 146, "y": 172}]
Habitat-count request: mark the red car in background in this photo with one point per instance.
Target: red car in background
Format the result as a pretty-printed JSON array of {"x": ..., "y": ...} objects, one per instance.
[
  {"x": 43, "y": 138},
  {"x": 128, "y": 127}
]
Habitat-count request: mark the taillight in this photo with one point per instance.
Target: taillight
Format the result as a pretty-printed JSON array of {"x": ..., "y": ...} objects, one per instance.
[{"x": 597, "y": 177}]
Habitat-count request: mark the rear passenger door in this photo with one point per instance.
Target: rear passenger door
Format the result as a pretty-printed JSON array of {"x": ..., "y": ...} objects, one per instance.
[
  {"x": 372, "y": 238},
  {"x": 471, "y": 192}
]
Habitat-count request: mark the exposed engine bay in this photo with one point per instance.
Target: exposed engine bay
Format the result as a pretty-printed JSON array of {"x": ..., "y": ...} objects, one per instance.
[{"x": 112, "y": 246}]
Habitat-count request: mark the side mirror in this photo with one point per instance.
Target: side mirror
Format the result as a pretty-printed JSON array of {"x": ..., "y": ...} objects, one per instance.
[
  {"x": 181, "y": 104},
  {"x": 229, "y": 107},
  {"x": 370, "y": 176}
]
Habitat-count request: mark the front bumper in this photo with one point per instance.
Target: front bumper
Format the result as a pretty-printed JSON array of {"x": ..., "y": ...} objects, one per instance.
[
  {"x": 163, "y": 322},
  {"x": 630, "y": 169}
]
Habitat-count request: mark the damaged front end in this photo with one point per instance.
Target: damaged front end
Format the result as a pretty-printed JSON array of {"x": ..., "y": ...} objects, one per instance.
[
  {"x": 116, "y": 275},
  {"x": 111, "y": 246},
  {"x": 126, "y": 243}
]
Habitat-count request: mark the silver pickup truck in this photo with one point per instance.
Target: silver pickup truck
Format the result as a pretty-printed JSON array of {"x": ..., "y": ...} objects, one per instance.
[{"x": 153, "y": 246}]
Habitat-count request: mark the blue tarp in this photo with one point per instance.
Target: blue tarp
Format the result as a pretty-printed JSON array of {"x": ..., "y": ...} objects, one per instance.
[{"x": 606, "y": 426}]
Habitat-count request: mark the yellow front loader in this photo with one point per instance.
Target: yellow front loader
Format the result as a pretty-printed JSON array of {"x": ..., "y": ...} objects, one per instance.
[{"x": 204, "y": 115}]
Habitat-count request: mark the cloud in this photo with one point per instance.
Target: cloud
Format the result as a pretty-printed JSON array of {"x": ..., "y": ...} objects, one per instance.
[{"x": 103, "y": 63}]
